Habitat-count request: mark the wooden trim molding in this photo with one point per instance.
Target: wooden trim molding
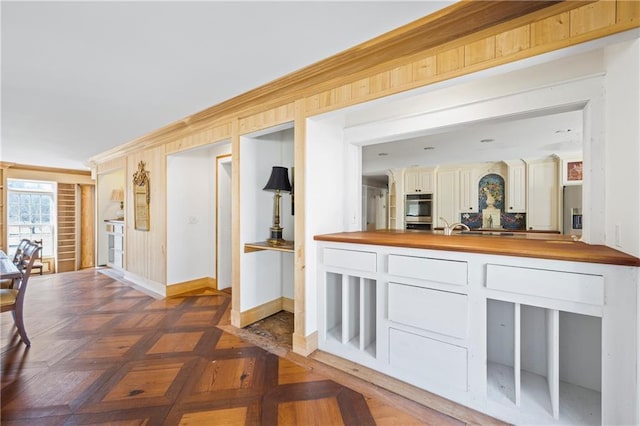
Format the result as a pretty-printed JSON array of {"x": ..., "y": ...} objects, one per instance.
[
  {"x": 287, "y": 304},
  {"x": 17, "y": 166},
  {"x": 259, "y": 312},
  {"x": 187, "y": 286},
  {"x": 304, "y": 345}
]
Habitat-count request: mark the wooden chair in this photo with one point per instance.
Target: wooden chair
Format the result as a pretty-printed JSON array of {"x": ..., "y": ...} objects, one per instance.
[
  {"x": 38, "y": 263},
  {"x": 17, "y": 259},
  {"x": 12, "y": 299}
]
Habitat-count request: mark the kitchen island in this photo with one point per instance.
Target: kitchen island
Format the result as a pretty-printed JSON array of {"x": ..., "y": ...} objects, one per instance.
[{"x": 529, "y": 328}]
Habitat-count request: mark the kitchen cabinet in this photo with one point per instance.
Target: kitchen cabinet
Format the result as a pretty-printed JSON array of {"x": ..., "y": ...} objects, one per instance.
[
  {"x": 526, "y": 340},
  {"x": 516, "y": 187},
  {"x": 468, "y": 191},
  {"x": 115, "y": 242},
  {"x": 418, "y": 181},
  {"x": 446, "y": 204},
  {"x": 543, "y": 195}
]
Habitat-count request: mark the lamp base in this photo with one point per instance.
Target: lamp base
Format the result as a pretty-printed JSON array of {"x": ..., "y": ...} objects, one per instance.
[{"x": 276, "y": 236}]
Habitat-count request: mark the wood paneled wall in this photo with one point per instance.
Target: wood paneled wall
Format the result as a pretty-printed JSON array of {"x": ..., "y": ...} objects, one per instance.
[
  {"x": 145, "y": 251},
  {"x": 466, "y": 37}
]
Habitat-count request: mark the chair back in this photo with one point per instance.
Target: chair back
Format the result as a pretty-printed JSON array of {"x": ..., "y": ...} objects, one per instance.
[
  {"x": 30, "y": 253},
  {"x": 17, "y": 256}
]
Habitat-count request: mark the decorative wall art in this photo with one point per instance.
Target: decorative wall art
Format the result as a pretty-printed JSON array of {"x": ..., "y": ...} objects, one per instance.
[
  {"x": 141, "y": 198},
  {"x": 572, "y": 172}
]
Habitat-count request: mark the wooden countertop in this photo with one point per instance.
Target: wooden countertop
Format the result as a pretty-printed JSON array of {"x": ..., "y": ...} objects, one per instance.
[{"x": 543, "y": 246}]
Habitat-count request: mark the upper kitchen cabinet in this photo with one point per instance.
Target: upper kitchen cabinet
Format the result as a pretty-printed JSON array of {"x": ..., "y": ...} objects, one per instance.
[
  {"x": 418, "y": 181},
  {"x": 543, "y": 195},
  {"x": 516, "y": 187},
  {"x": 468, "y": 191}
]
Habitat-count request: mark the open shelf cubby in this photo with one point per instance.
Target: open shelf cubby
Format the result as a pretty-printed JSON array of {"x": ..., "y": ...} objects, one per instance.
[
  {"x": 351, "y": 311},
  {"x": 545, "y": 362}
]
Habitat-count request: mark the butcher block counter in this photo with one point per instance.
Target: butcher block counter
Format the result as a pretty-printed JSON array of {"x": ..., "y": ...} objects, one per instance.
[{"x": 535, "y": 245}]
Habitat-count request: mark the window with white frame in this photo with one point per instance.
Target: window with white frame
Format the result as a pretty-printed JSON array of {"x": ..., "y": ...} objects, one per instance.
[{"x": 31, "y": 213}]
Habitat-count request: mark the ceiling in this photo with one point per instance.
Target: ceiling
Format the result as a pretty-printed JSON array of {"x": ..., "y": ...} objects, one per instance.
[
  {"x": 494, "y": 140},
  {"x": 79, "y": 78}
]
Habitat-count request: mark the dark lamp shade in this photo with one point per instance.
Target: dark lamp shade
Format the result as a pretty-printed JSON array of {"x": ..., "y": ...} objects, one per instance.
[{"x": 279, "y": 180}]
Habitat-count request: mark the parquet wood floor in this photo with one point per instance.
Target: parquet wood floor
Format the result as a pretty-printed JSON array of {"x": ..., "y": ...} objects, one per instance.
[{"x": 103, "y": 352}]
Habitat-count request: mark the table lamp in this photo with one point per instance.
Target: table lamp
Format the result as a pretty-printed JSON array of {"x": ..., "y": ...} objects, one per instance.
[{"x": 278, "y": 181}]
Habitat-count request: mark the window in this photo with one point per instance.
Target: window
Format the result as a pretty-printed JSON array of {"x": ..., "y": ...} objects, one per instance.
[{"x": 31, "y": 213}]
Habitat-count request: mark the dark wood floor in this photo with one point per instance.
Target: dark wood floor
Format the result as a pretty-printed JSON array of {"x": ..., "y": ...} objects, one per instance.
[{"x": 105, "y": 353}]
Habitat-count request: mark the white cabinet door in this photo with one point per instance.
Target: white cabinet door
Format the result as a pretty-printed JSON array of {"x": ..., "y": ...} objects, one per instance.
[
  {"x": 468, "y": 191},
  {"x": 419, "y": 181},
  {"x": 542, "y": 205},
  {"x": 446, "y": 197},
  {"x": 516, "y": 188}
]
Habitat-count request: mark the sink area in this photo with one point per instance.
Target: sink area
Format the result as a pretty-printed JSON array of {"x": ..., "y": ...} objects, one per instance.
[{"x": 498, "y": 233}]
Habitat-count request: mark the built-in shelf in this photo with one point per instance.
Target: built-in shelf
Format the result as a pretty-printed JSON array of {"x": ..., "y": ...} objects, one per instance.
[{"x": 287, "y": 246}]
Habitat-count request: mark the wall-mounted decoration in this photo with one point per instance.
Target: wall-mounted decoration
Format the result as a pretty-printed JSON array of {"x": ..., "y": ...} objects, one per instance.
[
  {"x": 572, "y": 172},
  {"x": 141, "y": 198}
]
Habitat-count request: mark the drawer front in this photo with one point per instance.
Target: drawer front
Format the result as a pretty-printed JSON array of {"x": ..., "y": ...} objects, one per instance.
[
  {"x": 427, "y": 362},
  {"x": 350, "y": 259},
  {"x": 438, "y": 311},
  {"x": 424, "y": 268},
  {"x": 575, "y": 287}
]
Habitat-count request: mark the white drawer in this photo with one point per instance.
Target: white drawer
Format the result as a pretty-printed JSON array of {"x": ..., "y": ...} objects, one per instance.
[
  {"x": 438, "y": 311},
  {"x": 350, "y": 259},
  {"x": 575, "y": 287},
  {"x": 425, "y": 268},
  {"x": 427, "y": 362}
]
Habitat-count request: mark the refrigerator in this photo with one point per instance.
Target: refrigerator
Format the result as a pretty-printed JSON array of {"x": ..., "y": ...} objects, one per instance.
[{"x": 572, "y": 210}]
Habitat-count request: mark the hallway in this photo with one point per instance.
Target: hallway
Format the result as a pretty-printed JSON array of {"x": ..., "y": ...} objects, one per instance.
[{"x": 104, "y": 352}]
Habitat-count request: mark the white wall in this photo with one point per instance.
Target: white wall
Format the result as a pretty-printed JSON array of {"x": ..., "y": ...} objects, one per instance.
[
  {"x": 325, "y": 206},
  {"x": 622, "y": 153},
  {"x": 106, "y": 209},
  {"x": 265, "y": 275},
  {"x": 191, "y": 234}
]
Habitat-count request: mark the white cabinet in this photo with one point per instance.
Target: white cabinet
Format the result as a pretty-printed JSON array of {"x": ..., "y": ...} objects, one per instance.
[
  {"x": 543, "y": 194},
  {"x": 468, "y": 191},
  {"x": 516, "y": 187},
  {"x": 446, "y": 205},
  {"x": 115, "y": 242},
  {"x": 418, "y": 181}
]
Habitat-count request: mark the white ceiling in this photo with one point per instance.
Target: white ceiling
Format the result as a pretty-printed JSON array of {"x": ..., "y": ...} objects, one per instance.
[
  {"x": 494, "y": 140},
  {"x": 79, "y": 78}
]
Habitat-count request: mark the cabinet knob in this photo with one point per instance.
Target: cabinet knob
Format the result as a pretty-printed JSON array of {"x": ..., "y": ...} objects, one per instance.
[
  {"x": 470, "y": 208},
  {"x": 510, "y": 208}
]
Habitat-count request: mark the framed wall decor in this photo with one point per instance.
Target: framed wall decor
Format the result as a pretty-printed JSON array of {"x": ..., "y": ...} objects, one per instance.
[
  {"x": 572, "y": 172},
  {"x": 141, "y": 198}
]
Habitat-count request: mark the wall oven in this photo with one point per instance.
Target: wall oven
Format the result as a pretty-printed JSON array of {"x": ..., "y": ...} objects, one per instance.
[{"x": 418, "y": 211}]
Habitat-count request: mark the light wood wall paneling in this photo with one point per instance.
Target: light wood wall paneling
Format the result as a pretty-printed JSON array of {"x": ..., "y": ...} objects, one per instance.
[
  {"x": 236, "y": 247},
  {"x": 265, "y": 119},
  {"x": 87, "y": 228},
  {"x": 300, "y": 341},
  {"x": 113, "y": 164},
  {"x": 628, "y": 12},
  {"x": 215, "y": 134},
  {"x": 513, "y": 41},
  {"x": 66, "y": 229},
  {"x": 592, "y": 17},
  {"x": 145, "y": 250}
]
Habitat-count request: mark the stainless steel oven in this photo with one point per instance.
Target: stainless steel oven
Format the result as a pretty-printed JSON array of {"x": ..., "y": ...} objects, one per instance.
[{"x": 418, "y": 208}]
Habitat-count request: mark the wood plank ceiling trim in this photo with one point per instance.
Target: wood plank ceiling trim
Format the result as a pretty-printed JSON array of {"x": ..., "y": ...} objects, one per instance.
[{"x": 464, "y": 22}]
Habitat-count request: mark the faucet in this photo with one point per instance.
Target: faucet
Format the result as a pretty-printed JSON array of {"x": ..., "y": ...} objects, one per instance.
[{"x": 448, "y": 229}]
